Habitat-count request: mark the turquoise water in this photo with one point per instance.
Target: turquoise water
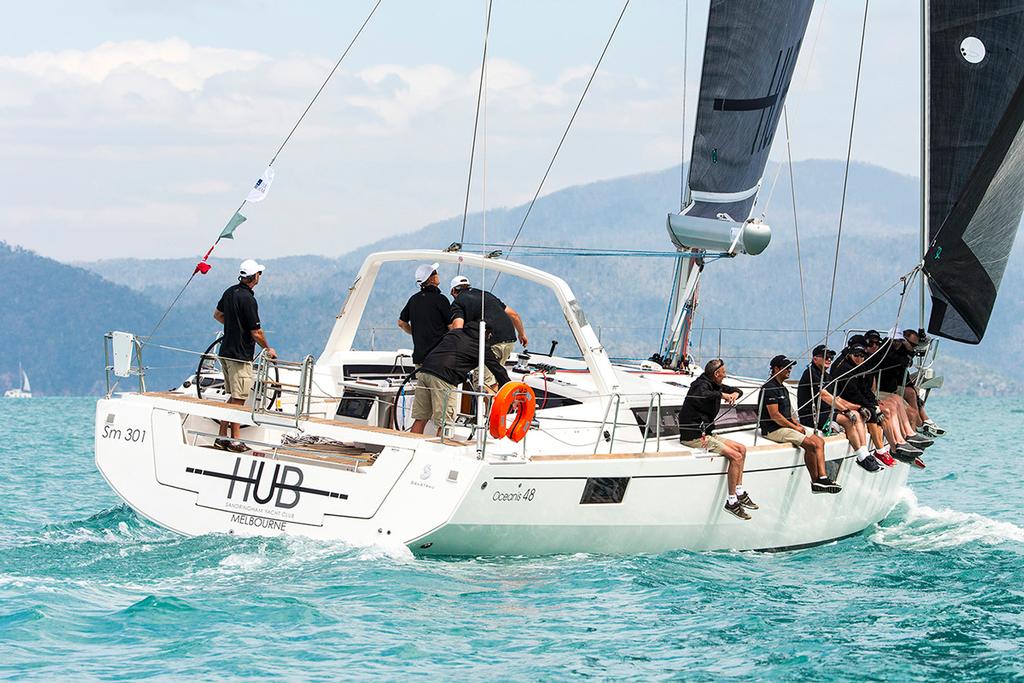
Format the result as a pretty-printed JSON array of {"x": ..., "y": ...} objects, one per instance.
[{"x": 90, "y": 591}]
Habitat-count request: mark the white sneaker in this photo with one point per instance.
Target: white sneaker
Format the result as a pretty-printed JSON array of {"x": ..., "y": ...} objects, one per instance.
[{"x": 933, "y": 428}]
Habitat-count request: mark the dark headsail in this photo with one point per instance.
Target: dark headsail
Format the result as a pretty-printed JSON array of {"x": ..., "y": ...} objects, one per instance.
[
  {"x": 975, "y": 157},
  {"x": 749, "y": 58}
]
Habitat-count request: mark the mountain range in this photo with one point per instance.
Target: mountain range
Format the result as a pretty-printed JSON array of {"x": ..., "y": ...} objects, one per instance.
[{"x": 56, "y": 313}]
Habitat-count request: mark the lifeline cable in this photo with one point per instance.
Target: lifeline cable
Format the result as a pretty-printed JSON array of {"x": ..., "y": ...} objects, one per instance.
[
  {"x": 272, "y": 160},
  {"x": 565, "y": 133}
]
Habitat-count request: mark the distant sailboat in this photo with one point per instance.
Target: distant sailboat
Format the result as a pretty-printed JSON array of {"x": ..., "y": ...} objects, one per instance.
[{"x": 25, "y": 391}]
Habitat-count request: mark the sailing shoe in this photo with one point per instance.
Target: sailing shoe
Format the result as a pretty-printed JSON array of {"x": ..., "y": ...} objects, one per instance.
[
  {"x": 934, "y": 428},
  {"x": 870, "y": 464},
  {"x": 906, "y": 453},
  {"x": 237, "y": 447},
  {"x": 884, "y": 458},
  {"x": 918, "y": 463},
  {"x": 737, "y": 510},
  {"x": 222, "y": 444},
  {"x": 920, "y": 441},
  {"x": 746, "y": 502},
  {"x": 825, "y": 485}
]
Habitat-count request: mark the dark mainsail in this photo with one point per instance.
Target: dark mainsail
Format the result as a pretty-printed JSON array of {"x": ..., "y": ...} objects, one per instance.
[
  {"x": 975, "y": 158},
  {"x": 749, "y": 58}
]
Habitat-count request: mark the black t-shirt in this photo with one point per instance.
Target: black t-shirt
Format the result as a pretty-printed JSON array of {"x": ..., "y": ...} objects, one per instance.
[
  {"x": 773, "y": 392},
  {"x": 811, "y": 384},
  {"x": 241, "y": 317},
  {"x": 427, "y": 311},
  {"x": 467, "y": 306},
  {"x": 894, "y": 368}
]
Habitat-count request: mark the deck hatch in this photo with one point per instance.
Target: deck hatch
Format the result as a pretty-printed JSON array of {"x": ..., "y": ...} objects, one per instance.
[{"x": 600, "y": 490}]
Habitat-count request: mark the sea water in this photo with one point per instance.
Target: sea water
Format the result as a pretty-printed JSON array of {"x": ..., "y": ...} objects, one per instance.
[{"x": 88, "y": 590}]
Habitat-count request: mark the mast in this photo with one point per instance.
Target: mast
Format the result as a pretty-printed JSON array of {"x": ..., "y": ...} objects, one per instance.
[{"x": 924, "y": 159}]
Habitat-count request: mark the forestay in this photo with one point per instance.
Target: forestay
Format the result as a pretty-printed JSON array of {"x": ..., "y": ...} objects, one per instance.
[
  {"x": 975, "y": 158},
  {"x": 749, "y": 58}
]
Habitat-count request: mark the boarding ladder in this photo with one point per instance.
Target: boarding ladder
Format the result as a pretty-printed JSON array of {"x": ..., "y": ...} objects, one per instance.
[{"x": 268, "y": 384}]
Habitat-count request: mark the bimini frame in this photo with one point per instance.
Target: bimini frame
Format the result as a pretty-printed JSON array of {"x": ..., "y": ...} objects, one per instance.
[{"x": 348, "y": 319}]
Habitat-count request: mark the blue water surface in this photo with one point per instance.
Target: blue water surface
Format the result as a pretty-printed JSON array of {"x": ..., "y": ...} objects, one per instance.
[{"x": 88, "y": 590}]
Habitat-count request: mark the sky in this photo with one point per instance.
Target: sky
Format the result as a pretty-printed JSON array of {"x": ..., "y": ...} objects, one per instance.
[{"x": 134, "y": 128}]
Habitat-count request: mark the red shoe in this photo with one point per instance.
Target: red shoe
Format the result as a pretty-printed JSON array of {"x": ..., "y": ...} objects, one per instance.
[
  {"x": 918, "y": 463},
  {"x": 885, "y": 459}
]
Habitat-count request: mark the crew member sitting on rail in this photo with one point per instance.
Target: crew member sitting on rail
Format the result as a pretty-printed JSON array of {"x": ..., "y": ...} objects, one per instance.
[
  {"x": 855, "y": 387},
  {"x": 443, "y": 370},
  {"x": 425, "y": 315},
  {"x": 470, "y": 305},
  {"x": 697, "y": 425},
  {"x": 817, "y": 406},
  {"x": 778, "y": 423},
  {"x": 893, "y": 406},
  {"x": 238, "y": 312},
  {"x": 896, "y": 379}
]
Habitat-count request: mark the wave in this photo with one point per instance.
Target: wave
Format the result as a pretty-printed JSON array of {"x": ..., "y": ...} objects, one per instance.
[
  {"x": 923, "y": 528},
  {"x": 117, "y": 524}
]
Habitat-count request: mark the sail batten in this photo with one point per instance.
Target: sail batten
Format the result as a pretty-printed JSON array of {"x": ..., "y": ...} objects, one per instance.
[{"x": 975, "y": 158}]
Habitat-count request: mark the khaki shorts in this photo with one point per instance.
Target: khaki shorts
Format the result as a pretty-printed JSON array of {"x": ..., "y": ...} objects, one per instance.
[
  {"x": 434, "y": 400},
  {"x": 711, "y": 443},
  {"x": 786, "y": 435},
  {"x": 501, "y": 351},
  {"x": 237, "y": 378}
]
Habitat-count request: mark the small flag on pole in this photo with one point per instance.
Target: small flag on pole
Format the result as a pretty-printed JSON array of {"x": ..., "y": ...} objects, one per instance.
[
  {"x": 228, "y": 232},
  {"x": 259, "y": 191}
]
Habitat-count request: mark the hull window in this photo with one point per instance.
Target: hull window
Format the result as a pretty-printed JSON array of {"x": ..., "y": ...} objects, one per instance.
[{"x": 601, "y": 490}]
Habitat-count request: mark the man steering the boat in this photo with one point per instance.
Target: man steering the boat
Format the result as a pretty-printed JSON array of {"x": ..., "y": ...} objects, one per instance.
[
  {"x": 697, "y": 425},
  {"x": 471, "y": 305},
  {"x": 443, "y": 370},
  {"x": 238, "y": 311}
]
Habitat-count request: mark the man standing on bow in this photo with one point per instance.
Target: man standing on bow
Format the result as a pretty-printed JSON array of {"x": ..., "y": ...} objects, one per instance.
[
  {"x": 238, "y": 312},
  {"x": 425, "y": 315},
  {"x": 471, "y": 305}
]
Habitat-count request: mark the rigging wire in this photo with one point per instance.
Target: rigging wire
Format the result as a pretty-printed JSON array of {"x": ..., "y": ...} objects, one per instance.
[
  {"x": 281, "y": 147},
  {"x": 682, "y": 146},
  {"x": 796, "y": 225},
  {"x": 476, "y": 123},
  {"x": 565, "y": 133}
]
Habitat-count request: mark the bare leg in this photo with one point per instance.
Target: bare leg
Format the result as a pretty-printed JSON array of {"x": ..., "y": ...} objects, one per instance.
[
  {"x": 876, "y": 435},
  {"x": 814, "y": 455},
  {"x": 852, "y": 429},
  {"x": 736, "y": 453},
  {"x": 418, "y": 426}
]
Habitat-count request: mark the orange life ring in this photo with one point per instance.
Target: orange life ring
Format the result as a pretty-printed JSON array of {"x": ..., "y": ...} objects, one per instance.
[{"x": 519, "y": 399}]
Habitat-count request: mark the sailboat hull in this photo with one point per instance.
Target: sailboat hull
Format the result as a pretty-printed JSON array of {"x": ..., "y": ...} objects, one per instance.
[{"x": 441, "y": 499}]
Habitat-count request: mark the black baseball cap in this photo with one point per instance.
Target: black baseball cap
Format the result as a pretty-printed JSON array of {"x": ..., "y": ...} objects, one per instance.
[
  {"x": 780, "y": 361},
  {"x": 857, "y": 340},
  {"x": 872, "y": 335},
  {"x": 820, "y": 351},
  {"x": 856, "y": 350}
]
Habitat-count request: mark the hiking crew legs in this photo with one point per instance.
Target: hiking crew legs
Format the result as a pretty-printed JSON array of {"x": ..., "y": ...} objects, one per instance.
[{"x": 856, "y": 433}]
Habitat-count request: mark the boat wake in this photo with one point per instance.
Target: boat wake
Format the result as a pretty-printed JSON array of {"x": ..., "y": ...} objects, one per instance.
[
  {"x": 922, "y": 528},
  {"x": 118, "y": 524}
]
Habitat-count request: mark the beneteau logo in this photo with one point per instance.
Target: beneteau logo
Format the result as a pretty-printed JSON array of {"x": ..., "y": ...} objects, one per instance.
[{"x": 284, "y": 489}]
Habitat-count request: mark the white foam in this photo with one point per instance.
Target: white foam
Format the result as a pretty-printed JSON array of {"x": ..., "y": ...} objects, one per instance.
[{"x": 924, "y": 528}]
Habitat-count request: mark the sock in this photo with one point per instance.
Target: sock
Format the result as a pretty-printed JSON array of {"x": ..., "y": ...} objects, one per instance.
[
  {"x": 861, "y": 453},
  {"x": 740, "y": 491},
  {"x": 884, "y": 450},
  {"x": 733, "y": 500}
]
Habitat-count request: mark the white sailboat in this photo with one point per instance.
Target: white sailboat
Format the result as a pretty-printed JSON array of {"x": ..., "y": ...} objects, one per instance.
[
  {"x": 601, "y": 469},
  {"x": 25, "y": 390}
]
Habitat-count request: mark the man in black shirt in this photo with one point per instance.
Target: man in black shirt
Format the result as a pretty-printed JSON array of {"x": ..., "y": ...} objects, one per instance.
[
  {"x": 777, "y": 423},
  {"x": 895, "y": 408},
  {"x": 441, "y": 373},
  {"x": 425, "y": 315},
  {"x": 817, "y": 405},
  {"x": 470, "y": 305},
  {"x": 238, "y": 312},
  {"x": 697, "y": 425}
]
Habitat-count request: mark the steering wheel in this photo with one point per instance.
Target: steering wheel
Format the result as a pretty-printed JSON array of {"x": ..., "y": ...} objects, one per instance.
[{"x": 209, "y": 364}]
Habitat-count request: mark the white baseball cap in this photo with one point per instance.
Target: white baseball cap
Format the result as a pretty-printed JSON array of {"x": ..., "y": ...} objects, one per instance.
[
  {"x": 250, "y": 267},
  {"x": 459, "y": 281},
  {"x": 424, "y": 272}
]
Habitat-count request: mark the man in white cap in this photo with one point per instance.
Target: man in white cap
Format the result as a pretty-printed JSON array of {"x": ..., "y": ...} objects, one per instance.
[
  {"x": 470, "y": 305},
  {"x": 425, "y": 315},
  {"x": 238, "y": 312}
]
